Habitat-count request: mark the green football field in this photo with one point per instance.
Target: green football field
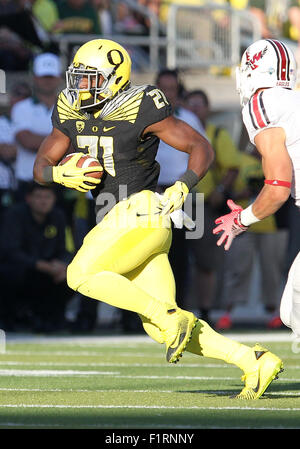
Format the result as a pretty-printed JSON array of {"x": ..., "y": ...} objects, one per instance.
[{"x": 123, "y": 382}]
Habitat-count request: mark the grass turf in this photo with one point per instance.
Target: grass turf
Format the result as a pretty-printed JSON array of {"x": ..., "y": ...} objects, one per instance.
[{"x": 125, "y": 383}]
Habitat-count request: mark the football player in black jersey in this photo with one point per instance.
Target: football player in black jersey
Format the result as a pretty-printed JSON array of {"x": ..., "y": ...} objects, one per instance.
[{"x": 124, "y": 259}]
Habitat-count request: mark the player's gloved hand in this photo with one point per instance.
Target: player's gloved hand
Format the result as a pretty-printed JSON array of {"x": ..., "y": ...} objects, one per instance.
[
  {"x": 73, "y": 177},
  {"x": 230, "y": 224},
  {"x": 174, "y": 197},
  {"x": 181, "y": 219}
]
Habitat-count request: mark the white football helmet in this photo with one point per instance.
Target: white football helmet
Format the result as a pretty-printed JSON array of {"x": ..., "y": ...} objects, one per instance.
[{"x": 265, "y": 63}]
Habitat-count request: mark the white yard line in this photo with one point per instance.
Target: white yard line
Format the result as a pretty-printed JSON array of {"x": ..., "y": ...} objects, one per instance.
[
  {"x": 50, "y": 373},
  {"x": 54, "y": 373},
  {"x": 75, "y": 390},
  {"x": 80, "y": 340},
  {"x": 114, "y": 355},
  {"x": 123, "y": 365},
  {"x": 146, "y": 407},
  {"x": 86, "y": 353},
  {"x": 267, "y": 336},
  {"x": 127, "y": 365}
]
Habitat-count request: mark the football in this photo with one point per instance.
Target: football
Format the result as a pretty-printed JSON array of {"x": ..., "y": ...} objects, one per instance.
[{"x": 86, "y": 161}]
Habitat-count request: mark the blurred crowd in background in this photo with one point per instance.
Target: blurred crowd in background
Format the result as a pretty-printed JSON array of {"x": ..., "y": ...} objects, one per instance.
[
  {"x": 30, "y": 26},
  {"x": 43, "y": 227}
]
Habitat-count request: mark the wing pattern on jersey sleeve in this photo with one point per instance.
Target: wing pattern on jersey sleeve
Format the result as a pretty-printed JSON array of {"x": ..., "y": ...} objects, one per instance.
[
  {"x": 125, "y": 107},
  {"x": 65, "y": 110},
  {"x": 62, "y": 112}
]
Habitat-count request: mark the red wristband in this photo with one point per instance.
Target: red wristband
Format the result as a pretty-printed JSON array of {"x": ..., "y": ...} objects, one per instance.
[{"x": 275, "y": 182}]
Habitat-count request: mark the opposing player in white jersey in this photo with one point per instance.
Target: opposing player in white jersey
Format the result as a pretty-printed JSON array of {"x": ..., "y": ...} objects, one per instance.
[{"x": 271, "y": 113}]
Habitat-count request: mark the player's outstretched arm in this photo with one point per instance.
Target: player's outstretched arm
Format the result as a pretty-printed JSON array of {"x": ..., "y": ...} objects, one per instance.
[
  {"x": 277, "y": 168},
  {"x": 46, "y": 170},
  {"x": 183, "y": 137}
]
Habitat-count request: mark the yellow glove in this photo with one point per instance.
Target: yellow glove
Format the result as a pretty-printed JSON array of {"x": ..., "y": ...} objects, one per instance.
[
  {"x": 174, "y": 197},
  {"x": 73, "y": 177}
]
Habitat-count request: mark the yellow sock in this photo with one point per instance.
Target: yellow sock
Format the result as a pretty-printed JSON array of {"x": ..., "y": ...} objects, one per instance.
[
  {"x": 208, "y": 343},
  {"x": 118, "y": 291}
]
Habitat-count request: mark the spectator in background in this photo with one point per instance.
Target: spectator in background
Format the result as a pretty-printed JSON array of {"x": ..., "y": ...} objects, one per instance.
[
  {"x": 265, "y": 242},
  {"x": 133, "y": 23},
  {"x": 258, "y": 9},
  {"x": 46, "y": 12},
  {"x": 8, "y": 149},
  {"x": 172, "y": 165},
  {"x": 77, "y": 16},
  {"x": 216, "y": 186},
  {"x": 102, "y": 8},
  {"x": 165, "y": 4},
  {"x": 14, "y": 55},
  {"x": 33, "y": 263},
  {"x": 18, "y": 35},
  {"x": 31, "y": 117},
  {"x": 14, "y": 26},
  {"x": 152, "y": 6},
  {"x": 291, "y": 26},
  {"x": 84, "y": 221},
  {"x": 129, "y": 21}
]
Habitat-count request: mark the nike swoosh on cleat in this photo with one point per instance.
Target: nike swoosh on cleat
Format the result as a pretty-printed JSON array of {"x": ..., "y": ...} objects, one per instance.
[
  {"x": 108, "y": 129},
  {"x": 171, "y": 351}
]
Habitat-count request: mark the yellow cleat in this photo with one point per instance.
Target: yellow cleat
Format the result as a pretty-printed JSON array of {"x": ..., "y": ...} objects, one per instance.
[
  {"x": 265, "y": 369},
  {"x": 176, "y": 341}
]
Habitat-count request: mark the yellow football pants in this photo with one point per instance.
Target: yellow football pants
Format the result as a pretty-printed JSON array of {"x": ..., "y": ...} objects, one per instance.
[{"x": 124, "y": 261}]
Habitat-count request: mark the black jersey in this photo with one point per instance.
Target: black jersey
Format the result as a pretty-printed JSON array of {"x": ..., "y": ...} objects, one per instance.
[{"x": 113, "y": 135}]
